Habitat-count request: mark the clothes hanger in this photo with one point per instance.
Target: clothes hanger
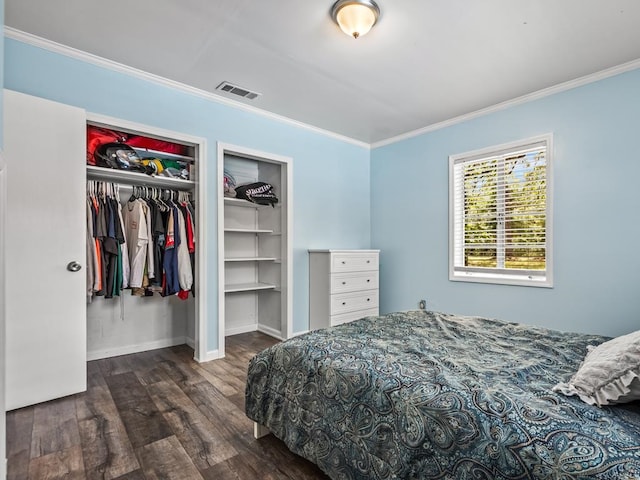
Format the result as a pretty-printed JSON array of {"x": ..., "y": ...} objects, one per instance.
[{"x": 159, "y": 200}]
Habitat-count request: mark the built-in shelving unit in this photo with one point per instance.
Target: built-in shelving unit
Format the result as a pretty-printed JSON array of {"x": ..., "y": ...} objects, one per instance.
[{"x": 254, "y": 243}]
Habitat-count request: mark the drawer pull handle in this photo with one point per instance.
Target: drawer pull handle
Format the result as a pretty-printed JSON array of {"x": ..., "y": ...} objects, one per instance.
[
  {"x": 344, "y": 283},
  {"x": 343, "y": 262},
  {"x": 344, "y": 303},
  {"x": 368, "y": 299},
  {"x": 368, "y": 261},
  {"x": 368, "y": 280}
]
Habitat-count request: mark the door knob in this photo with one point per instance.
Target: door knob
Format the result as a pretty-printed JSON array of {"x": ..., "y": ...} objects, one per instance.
[{"x": 74, "y": 266}]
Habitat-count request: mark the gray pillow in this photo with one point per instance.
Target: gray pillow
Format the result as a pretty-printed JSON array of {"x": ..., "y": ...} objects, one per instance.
[{"x": 610, "y": 373}]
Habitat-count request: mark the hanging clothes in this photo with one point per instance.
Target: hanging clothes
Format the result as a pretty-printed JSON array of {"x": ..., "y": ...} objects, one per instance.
[
  {"x": 146, "y": 244},
  {"x": 151, "y": 274},
  {"x": 124, "y": 251},
  {"x": 191, "y": 239},
  {"x": 157, "y": 231},
  {"x": 185, "y": 275},
  {"x": 91, "y": 253},
  {"x": 105, "y": 240},
  {"x": 171, "y": 283},
  {"x": 135, "y": 225}
]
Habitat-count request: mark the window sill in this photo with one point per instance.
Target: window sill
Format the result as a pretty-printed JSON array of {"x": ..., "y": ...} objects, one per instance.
[{"x": 501, "y": 279}]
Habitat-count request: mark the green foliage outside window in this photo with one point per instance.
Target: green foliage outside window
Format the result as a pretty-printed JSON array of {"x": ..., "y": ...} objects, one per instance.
[{"x": 505, "y": 212}]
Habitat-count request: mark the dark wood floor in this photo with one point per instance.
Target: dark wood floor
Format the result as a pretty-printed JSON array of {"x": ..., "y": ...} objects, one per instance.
[{"x": 153, "y": 415}]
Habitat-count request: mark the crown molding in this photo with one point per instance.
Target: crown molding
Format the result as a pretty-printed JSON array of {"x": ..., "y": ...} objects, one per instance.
[
  {"x": 545, "y": 92},
  {"x": 81, "y": 55}
]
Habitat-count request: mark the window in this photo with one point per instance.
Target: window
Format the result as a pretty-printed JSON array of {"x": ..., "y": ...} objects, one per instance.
[{"x": 500, "y": 214}]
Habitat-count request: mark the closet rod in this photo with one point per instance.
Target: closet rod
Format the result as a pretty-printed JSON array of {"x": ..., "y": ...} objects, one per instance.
[{"x": 141, "y": 190}]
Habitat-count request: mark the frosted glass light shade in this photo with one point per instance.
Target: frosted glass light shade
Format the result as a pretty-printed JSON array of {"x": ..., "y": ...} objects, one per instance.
[{"x": 355, "y": 18}]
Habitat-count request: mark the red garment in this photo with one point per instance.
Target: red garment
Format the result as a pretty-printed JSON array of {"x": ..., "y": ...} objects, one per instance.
[
  {"x": 183, "y": 294},
  {"x": 159, "y": 145},
  {"x": 96, "y": 136}
]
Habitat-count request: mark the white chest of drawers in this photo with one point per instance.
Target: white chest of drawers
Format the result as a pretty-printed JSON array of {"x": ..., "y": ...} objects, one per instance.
[{"x": 343, "y": 286}]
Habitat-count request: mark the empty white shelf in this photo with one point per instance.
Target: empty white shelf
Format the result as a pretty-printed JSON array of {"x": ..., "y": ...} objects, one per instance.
[
  {"x": 247, "y": 230},
  {"x": 250, "y": 259},
  {"x": 248, "y": 287}
]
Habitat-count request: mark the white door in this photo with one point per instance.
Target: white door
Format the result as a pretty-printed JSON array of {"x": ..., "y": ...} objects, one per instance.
[{"x": 44, "y": 150}]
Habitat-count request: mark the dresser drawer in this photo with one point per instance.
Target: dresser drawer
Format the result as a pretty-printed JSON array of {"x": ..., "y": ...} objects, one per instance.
[
  {"x": 351, "y": 316},
  {"x": 354, "y": 262},
  {"x": 353, "y": 282},
  {"x": 349, "y": 302}
]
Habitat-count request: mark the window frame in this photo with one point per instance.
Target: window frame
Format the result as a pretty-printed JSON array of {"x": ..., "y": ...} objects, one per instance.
[{"x": 479, "y": 275}]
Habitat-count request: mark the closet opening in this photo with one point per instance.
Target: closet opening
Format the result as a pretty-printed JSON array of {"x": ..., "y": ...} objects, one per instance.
[
  {"x": 254, "y": 242},
  {"x": 146, "y": 187}
]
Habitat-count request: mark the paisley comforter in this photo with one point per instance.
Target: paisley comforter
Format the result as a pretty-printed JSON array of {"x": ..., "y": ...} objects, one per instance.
[{"x": 425, "y": 395}]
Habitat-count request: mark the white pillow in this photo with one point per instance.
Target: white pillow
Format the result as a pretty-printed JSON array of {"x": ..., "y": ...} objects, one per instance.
[{"x": 610, "y": 373}]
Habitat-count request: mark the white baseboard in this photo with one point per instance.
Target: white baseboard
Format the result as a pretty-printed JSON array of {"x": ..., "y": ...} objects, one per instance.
[
  {"x": 136, "y": 348},
  {"x": 210, "y": 355},
  {"x": 3, "y": 469},
  {"x": 272, "y": 332},
  {"x": 256, "y": 327},
  {"x": 243, "y": 329},
  {"x": 190, "y": 341}
]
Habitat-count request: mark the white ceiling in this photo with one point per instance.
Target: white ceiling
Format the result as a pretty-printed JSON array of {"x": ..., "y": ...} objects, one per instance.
[{"x": 425, "y": 62}]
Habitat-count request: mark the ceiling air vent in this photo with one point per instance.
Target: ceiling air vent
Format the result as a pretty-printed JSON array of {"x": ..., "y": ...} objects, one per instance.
[{"x": 236, "y": 90}]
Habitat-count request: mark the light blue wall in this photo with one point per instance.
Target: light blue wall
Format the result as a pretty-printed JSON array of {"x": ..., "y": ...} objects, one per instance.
[
  {"x": 596, "y": 212},
  {"x": 330, "y": 177}
]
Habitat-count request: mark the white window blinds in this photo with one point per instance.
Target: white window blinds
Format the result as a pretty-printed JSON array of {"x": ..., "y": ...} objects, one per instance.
[{"x": 499, "y": 214}]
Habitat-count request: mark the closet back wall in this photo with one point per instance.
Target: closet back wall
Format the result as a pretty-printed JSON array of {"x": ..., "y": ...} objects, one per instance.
[{"x": 324, "y": 167}]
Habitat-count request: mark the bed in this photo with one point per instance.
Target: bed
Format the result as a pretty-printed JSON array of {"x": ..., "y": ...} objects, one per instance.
[{"x": 427, "y": 395}]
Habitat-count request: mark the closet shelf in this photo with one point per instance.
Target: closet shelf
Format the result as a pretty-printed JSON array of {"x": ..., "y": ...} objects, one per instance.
[
  {"x": 250, "y": 259},
  {"x": 147, "y": 152},
  {"x": 247, "y": 230},
  {"x": 240, "y": 202},
  {"x": 248, "y": 287},
  {"x": 135, "y": 178}
]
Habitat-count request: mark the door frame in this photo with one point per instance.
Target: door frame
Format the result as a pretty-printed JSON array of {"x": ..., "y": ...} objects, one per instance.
[{"x": 3, "y": 200}]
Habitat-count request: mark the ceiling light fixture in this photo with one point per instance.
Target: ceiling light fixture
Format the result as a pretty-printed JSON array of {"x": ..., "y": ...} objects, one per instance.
[{"x": 355, "y": 17}]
